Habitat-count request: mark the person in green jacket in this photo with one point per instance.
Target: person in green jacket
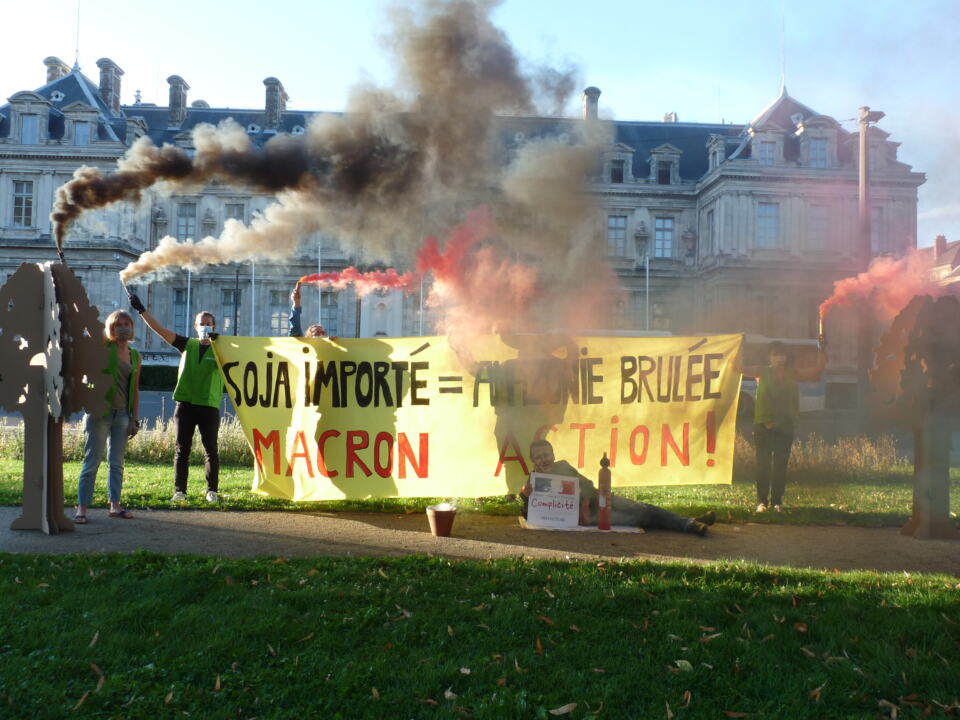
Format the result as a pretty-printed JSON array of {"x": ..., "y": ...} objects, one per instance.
[
  {"x": 776, "y": 413},
  {"x": 197, "y": 394},
  {"x": 117, "y": 424}
]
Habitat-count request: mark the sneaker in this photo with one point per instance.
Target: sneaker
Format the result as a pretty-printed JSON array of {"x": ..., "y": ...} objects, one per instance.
[
  {"x": 778, "y": 508},
  {"x": 212, "y": 496},
  {"x": 761, "y": 508},
  {"x": 697, "y": 528},
  {"x": 179, "y": 496},
  {"x": 708, "y": 519}
]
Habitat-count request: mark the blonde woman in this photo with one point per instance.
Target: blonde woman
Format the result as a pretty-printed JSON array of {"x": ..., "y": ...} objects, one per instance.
[{"x": 118, "y": 423}]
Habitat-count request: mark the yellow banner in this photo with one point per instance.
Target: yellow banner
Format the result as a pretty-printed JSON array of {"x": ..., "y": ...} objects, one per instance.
[{"x": 415, "y": 417}]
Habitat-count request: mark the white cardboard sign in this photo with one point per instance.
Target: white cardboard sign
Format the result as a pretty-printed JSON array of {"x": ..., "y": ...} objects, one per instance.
[{"x": 554, "y": 501}]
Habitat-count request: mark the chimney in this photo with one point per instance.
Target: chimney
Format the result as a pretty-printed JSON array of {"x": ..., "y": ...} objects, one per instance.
[
  {"x": 670, "y": 117},
  {"x": 939, "y": 247},
  {"x": 110, "y": 74},
  {"x": 276, "y": 102},
  {"x": 178, "y": 100},
  {"x": 56, "y": 68},
  {"x": 590, "y": 97}
]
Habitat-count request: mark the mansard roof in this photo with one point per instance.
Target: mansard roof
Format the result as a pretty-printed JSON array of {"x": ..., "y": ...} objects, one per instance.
[
  {"x": 779, "y": 114},
  {"x": 74, "y": 87}
]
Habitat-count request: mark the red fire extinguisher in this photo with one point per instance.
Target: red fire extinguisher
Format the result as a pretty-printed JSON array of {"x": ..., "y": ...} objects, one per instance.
[{"x": 604, "y": 498}]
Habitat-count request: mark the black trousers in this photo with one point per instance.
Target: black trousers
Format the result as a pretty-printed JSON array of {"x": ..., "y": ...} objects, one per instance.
[
  {"x": 773, "y": 454},
  {"x": 191, "y": 417}
]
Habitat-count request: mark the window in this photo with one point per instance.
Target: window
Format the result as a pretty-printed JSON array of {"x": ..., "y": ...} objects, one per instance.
[
  {"x": 617, "y": 235},
  {"x": 234, "y": 211},
  {"x": 663, "y": 173},
  {"x": 711, "y": 232},
  {"x": 767, "y": 153},
  {"x": 817, "y": 149},
  {"x": 639, "y": 310},
  {"x": 768, "y": 225},
  {"x": 329, "y": 315},
  {"x": 180, "y": 322},
  {"x": 186, "y": 221},
  {"x": 817, "y": 227},
  {"x": 81, "y": 133},
  {"x": 229, "y": 310},
  {"x": 279, "y": 312},
  {"x": 29, "y": 129},
  {"x": 616, "y": 171},
  {"x": 663, "y": 237},
  {"x": 23, "y": 203},
  {"x": 877, "y": 243},
  {"x": 618, "y": 315}
]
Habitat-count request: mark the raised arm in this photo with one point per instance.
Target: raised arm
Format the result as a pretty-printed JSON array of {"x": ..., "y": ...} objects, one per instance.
[
  {"x": 295, "y": 329},
  {"x": 150, "y": 320},
  {"x": 812, "y": 374}
]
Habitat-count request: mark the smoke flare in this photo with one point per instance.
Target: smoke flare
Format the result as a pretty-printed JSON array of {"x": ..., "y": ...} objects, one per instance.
[
  {"x": 364, "y": 282},
  {"x": 889, "y": 284}
]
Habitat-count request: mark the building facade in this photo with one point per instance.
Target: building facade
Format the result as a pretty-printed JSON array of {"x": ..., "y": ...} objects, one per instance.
[{"x": 710, "y": 227}]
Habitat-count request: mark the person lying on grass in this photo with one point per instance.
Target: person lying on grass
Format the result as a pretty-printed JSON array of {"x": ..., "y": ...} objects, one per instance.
[{"x": 622, "y": 510}]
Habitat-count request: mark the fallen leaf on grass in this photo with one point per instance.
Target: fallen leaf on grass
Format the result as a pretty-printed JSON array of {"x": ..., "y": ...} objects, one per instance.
[
  {"x": 427, "y": 701},
  {"x": 481, "y": 606},
  {"x": 894, "y": 710},
  {"x": 449, "y": 694},
  {"x": 808, "y": 653},
  {"x": 404, "y": 614},
  {"x": 687, "y": 698},
  {"x": 549, "y": 594},
  {"x": 684, "y": 665},
  {"x": 564, "y": 709},
  {"x": 271, "y": 650},
  {"x": 96, "y": 636},
  {"x": 43, "y": 585},
  {"x": 375, "y": 693},
  {"x": 216, "y": 569},
  {"x": 382, "y": 573},
  {"x": 312, "y": 571},
  {"x": 669, "y": 712},
  {"x": 168, "y": 697},
  {"x": 307, "y": 637},
  {"x": 545, "y": 619},
  {"x": 575, "y": 628},
  {"x": 501, "y": 681},
  {"x": 768, "y": 637},
  {"x": 216, "y": 685},
  {"x": 464, "y": 671},
  {"x": 708, "y": 629},
  {"x": 708, "y": 638},
  {"x": 944, "y": 616},
  {"x": 599, "y": 670},
  {"x": 449, "y": 631},
  {"x": 538, "y": 646},
  {"x": 82, "y": 700},
  {"x": 279, "y": 561},
  {"x": 517, "y": 666},
  {"x": 800, "y": 627},
  {"x": 735, "y": 714},
  {"x": 815, "y": 693}
]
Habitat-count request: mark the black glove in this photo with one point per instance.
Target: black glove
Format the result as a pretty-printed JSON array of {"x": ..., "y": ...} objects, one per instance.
[
  {"x": 136, "y": 303},
  {"x": 133, "y": 427}
]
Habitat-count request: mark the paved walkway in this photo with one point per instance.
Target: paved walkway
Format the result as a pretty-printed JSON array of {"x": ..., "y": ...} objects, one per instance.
[{"x": 252, "y": 534}]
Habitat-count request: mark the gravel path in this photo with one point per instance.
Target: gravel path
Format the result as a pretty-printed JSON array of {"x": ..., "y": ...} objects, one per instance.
[{"x": 253, "y": 534}]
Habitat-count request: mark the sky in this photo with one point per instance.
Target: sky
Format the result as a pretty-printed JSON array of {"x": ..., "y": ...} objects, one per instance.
[{"x": 704, "y": 60}]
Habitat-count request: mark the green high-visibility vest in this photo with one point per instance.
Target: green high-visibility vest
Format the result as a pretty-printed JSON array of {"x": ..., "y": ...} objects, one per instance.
[
  {"x": 199, "y": 381},
  {"x": 778, "y": 399},
  {"x": 133, "y": 385}
]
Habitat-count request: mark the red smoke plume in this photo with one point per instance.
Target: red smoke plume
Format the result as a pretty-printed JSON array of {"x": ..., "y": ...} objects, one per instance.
[
  {"x": 363, "y": 282},
  {"x": 888, "y": 285}
]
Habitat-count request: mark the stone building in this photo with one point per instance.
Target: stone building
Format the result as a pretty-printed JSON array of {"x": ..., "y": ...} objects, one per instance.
[{"x": 711, "y": 227}]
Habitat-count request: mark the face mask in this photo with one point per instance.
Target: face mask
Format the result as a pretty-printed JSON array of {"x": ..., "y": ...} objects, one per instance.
[
  {"x": 205, "y": 331},
  {"x": 123, "y": 333}
]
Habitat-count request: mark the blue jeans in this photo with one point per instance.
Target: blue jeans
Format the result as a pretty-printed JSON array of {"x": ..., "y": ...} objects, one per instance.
[{"x": 113, "y": 425}]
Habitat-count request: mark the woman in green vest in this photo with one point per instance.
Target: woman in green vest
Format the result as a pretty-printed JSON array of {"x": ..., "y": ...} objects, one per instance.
[
  {"x": 197, "y": 394},
  {"x": 117, "y": 424},
  {"x": 775, "y": 418}
]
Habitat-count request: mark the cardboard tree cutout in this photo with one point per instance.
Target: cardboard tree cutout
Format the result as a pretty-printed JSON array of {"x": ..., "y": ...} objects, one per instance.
[
  {"x": 917, "y": 382},
  {"x": 52, "y": 358}
]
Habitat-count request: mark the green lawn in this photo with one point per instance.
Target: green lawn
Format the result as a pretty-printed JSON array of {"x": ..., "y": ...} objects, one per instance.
[
  {"x": 869, "y": 499},
  {"x": 149, "y": 636}
]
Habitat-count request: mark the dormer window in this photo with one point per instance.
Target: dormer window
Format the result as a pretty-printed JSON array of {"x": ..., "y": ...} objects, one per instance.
[
  {"x": 767, "y": 152},
  {"x": 253, "y": 128},
  {"x": 297, "y": 130},
  {"x": 616, "y": 171},
  {"x": 29, "y": 129},
  {"x": 57, "y": 96},
  {"x": 663, "y": 173},
  {"x": 817, "y": 152},
  {"x": 81, "y": 133},
  {"x": 665, "y": 165}
]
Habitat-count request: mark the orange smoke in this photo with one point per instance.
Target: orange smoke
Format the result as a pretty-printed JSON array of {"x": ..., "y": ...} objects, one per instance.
[
  {"x": 888, "y": 285},
  {"x": 363, "y": 282}
]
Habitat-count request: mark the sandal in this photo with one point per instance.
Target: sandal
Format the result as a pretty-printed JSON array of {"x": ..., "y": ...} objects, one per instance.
[
  {"x": 80, "y": 519},
  {"x": 125, "y": 514}
]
